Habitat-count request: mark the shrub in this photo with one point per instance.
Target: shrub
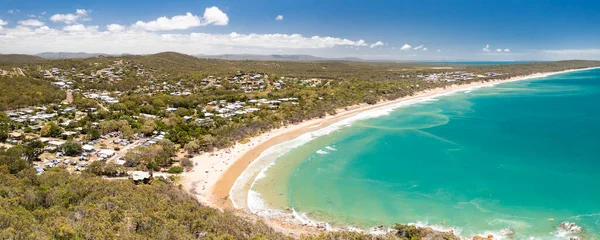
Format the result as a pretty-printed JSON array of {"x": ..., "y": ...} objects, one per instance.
[{"x": 175, "y": 170}]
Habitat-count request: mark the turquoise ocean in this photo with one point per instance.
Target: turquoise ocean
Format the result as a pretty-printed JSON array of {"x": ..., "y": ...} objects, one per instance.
[{"x": 517, "y": 157}]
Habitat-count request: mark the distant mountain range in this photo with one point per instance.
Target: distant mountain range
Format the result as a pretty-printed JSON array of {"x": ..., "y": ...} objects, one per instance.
[
  {"x": 256, "y": 57},
  {"x": 308, "y": 58},
  {"x": 66, "y": 55}
]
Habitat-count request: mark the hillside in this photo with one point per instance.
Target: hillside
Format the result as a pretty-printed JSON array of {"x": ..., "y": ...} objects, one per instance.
[
  {"x": 19, "y": 59},
  {"x": 69, "y": 55},
  {"x": 274, "y": 57}
]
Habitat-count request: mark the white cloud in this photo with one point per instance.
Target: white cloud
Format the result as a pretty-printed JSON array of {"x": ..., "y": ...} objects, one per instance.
[
  {"x": 279, "y": 18},
  {"x": 418, "y": 47},
  {"x": 178, "y": 22},
  {"x": 405, "y": 47},
  {"x": 80, "y": 28},
  {"x": 83, "y": 38},
  {"x": 14, "y": 11},
  {"x": 115, "y": 28},
  {"x": 43, "y": 13},
  {"x": 499, "y": 50},
  {"x": 31, "y": 16},
  {"x": 424, "y": 49},
  {"x": 2, "y": 22},
  {"x": 80, "y": 14},
  {"x": 439, "y": 50},
  {"x": 486, "y": 48},
  {"x": 32, "y": 22},
  {"x": 377, "y": 44},
  {"x": 507, "y": 50},
  {"x": 212, "y": 15}
]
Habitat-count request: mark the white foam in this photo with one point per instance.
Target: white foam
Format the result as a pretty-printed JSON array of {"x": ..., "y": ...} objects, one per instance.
[
  {"x": 322, "y": 152},
  {"x": 330, "y": 148}
]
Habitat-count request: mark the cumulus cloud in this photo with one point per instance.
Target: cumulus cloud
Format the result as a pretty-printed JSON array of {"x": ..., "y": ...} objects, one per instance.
[
  {"x": 418, "y": 47},
  {"x": 424, "y": 49},
  {"x": 80, "y": 14},
  {"x": 507, "y": 50},
  {"x": 115, "y": 28},
  {"x": 32, "y": 22},
  {"x": 279, "y": 18},
  {"x": 212, "y": 15},
  {"x": 14, "y": 11},
  {"x": 405, "y": 47},
  {"x": 486, "y": 48},
  {"x": 175, "y": 23},
  {"x": 377, "y": 44},
  {"x": 78, "y": 37},
  {"x": 2, "y": 22},
  {"x": 499, "y": 50},
  {"x": 80, "y": 28},
  {"x": 439, "y": 50}
]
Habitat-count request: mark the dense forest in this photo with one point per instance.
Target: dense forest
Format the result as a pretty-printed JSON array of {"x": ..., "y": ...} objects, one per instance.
[{"x": 19, "y": 92}]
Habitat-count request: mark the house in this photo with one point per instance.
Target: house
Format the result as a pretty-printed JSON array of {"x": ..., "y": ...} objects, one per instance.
[
  {"x": 106, "y": 152},
  {"x": 56, "y": 143},
  {"x": 141, "y": 177},
  {"x": 88, "y": 148}
]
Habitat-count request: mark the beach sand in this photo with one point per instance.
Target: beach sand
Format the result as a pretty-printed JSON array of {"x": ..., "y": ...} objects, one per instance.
[{"x": 215, "y": 173}]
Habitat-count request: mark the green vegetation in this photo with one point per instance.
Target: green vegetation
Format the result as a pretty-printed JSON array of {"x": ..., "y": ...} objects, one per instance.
[
  {"x": 19, "y": 92},
  {"x": 175, "y": 170},
  {"x": 72, "y": 148},
  {"x": 57, "y": 205}
]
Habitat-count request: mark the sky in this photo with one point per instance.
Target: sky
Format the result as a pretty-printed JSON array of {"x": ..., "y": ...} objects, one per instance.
[{"x": 435, "y": 30}]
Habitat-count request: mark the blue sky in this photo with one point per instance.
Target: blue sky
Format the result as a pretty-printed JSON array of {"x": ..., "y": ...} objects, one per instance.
[{"x": 394, "y": 30}]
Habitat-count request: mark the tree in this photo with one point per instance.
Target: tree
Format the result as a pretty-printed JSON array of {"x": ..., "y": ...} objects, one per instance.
[
  {"x": 93, "y": 134},
  {"x": 15, "y": 158},
  {"x": 187, "y": 164},
  {"x": 148, "y": 127},
  {"x": 72, "y": 148},
  {"x": 3, "y": 133},
  {"x": 51, "y": 130},
  {"x": 192, "y": 147},
  {"x": 37, "y": 148}
]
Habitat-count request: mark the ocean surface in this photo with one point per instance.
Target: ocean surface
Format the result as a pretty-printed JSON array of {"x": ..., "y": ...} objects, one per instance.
[{"x": 521, "y": 157}]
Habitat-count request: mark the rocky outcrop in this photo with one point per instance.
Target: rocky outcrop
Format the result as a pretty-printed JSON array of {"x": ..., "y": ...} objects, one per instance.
[
  {"x": 414, "y": 232},
  {"x": 489, "y": 237}
]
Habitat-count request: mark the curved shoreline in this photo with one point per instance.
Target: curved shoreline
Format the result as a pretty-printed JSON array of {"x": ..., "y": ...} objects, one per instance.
[{"x": 242, "y": 155}]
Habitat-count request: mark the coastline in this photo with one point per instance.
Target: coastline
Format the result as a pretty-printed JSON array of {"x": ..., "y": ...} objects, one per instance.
[{"x": 213, "y": 186}]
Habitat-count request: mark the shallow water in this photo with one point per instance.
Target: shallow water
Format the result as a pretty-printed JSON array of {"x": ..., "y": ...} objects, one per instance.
[{"x": 514, "y": 156}]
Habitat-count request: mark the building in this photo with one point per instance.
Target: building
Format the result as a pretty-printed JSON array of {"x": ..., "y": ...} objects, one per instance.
[{"x": 141, "y": 177}]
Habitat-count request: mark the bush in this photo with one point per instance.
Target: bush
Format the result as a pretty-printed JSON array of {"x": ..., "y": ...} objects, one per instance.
[
  {"x": 187, "y": 164},
  {"x": 175, "y": 170},
  {"x": 72, "y": 148}
]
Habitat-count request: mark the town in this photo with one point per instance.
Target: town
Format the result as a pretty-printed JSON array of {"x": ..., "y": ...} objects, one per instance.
[{"x": 116, "y": 110}]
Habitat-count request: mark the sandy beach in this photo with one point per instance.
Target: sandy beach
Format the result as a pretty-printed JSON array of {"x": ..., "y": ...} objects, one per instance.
[{"x": 214, "y": 174}]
